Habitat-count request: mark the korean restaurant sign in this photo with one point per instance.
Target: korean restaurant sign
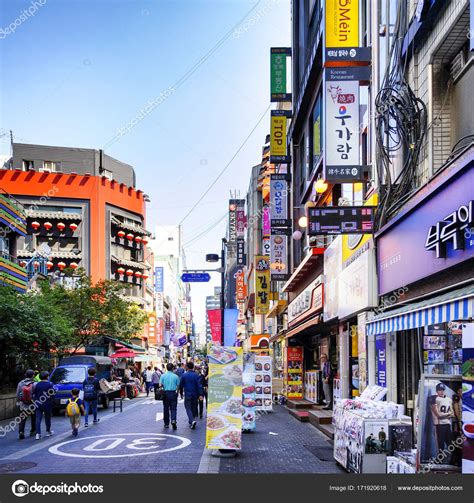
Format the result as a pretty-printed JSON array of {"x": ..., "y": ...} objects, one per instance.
[
  {"x": 279, "y": 270},
  {"x": 342, "y": 23},
  {"x": 279, "y": 192},
  {"x": 262, "y": 284},
  {"x": 278, "y": 78},
  {"x": 342, "y": 131},
  {"x": 307, "y": 303}
]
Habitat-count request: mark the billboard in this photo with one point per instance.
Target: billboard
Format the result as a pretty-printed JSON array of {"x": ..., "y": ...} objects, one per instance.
[{"x": 342, "y": 23}]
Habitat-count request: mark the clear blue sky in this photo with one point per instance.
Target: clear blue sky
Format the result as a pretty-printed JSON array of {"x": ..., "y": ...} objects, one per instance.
[{"x": 77, "y": 71}]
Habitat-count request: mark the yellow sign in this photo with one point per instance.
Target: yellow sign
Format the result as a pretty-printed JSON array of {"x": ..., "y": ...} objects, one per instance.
[
  {"x": 277, "y": 135},
  {"x": 262, "y": 284},
  {"x": 224, "y": 406},
  {"x": 342, "y": 23}
]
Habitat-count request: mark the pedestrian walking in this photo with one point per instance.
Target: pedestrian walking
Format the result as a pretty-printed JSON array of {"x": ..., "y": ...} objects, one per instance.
[
  {"x": 43, "y": 397},
  {"x": 74, "y": 411},
  {"x": 91, "y": 396},
  {"x": 155, "y": 379},
  {"x": 180, "y": 370},
  {"x": 204, "y": 383},
  {"x": 170, "y": 383},
  {"x": 24, "y": 401},
  {"x": 190, "y": 384},
  {"x": 148, "y": 378},
  {"x": 327, "y": 376}
]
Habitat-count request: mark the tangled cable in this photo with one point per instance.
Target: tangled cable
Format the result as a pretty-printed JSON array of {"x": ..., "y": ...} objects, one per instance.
[{"x": 400, "y": 124}]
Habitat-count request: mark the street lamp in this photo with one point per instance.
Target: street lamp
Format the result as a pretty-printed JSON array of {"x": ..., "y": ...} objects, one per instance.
[{"x": 214, "y": 257}]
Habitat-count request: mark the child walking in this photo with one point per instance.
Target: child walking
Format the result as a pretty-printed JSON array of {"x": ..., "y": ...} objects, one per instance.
[{"x": 74, "y": 411}]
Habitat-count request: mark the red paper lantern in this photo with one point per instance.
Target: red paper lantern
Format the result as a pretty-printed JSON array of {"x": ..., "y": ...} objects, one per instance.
[
  {"x": 130, "y": 237},
  {"x": 120, "y": 270},
  {"x": 73, "y": 226},
  {"x": 48, "y": 225},
  {"x": 61, "y": 226},
  {"x": 138, "y": 274},
  {"x": 35, "y": 225},
  {"x": 121, "y": 234},
  {"x": 145, "y": 275},
  {"x": 73, "y": 265},
  {"x": 61, "y": 265},
  {"x": 36, "y": 264},
  {"x": 129, "y": 272},
  {"x": 22, "y": 263},
  {"x": 49, "y": 264},
  {"x": 145, "y": 240},
  {"x": 138, "y": 239}
]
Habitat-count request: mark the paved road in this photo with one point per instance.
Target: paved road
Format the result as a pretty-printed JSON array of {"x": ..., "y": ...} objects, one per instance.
[{"x": 136, "y": 442}]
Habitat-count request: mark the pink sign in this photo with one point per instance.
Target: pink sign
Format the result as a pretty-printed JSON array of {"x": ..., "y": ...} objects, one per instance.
[
  {"x": 215, "y": 318},
  {"x": 266, "y": 221}
]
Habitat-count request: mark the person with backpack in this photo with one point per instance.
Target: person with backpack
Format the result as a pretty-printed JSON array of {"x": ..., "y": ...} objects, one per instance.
[
  {"x": 24, "y": 399},
  {"x": 43, "y": 397},
  {"x": 155, "y": 379},
  {"x": 74, "y": 411},
  {"x": 91, "y": 388}
]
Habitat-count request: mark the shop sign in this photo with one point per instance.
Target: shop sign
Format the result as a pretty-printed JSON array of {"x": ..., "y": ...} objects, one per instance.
[
  {"x": 332, "y": 269},
  {"x": 159, "y": 331},
  {"x": 266, "y": 246},
  {"x": 279, "y": 257},
  {"x": 429, "y": 219},
  {"x": 358, "y": 73},
  {"x": 342, "y": 131},
  {"x": 159, "y": 302},
  {"x": 358, "y": 285},
  {"x": 342, "y": 23},
  {"x": 259, "y": 341},
  {"x": 240, "y": 218},
  {"x": 215, "y": 321},
  {"x": 262, "y": 284},
  {"x": 341, "y": 220},
  {"x": 241, "y": 256},
  {"x": 241, "y": 288},
  {"x": 266, "y": 220},
  {"x": 359, "y": 54},
  {"x": 279, "y": 192},
  {"x": 232, "y": 222},
  {"x": 159, "y": 280},
  {"x": 152, "y": 328},
  {"x": 278, "y": 146},
  {"x": 307, "y": 303},
  {"x": 381, "y": 359},
  {"x": 278, "y": 62}
]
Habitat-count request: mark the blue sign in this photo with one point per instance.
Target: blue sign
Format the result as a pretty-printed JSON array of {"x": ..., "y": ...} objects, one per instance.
[
  {"x": 195, "y": 277},
  {"x": 381, "y": 355},
  {"x": 159, "y": 281}
]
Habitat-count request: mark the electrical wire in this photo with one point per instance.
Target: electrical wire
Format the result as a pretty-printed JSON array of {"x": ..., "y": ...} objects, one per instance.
[{"x": 199, "y": 236}]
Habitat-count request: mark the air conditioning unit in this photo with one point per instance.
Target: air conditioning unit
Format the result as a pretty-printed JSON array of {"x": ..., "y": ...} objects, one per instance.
[{"x": 457, "y": 65}]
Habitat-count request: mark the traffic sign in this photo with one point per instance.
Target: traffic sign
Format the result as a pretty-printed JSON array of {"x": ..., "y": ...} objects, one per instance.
[{"x": 195, "y": 277}]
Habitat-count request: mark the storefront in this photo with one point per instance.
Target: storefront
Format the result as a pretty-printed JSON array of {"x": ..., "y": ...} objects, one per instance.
[{"x": 425, "y": 277}]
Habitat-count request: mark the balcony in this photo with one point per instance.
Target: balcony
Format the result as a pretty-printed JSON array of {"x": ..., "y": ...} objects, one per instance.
[{"x": 12, "y": 274}]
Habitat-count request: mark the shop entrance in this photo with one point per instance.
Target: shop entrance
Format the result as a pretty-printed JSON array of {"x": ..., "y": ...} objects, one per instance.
[{"x": 409, "y": 367}]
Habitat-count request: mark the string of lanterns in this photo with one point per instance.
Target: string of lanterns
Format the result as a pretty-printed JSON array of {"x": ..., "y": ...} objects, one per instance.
[{"x": 61, "y": 226}]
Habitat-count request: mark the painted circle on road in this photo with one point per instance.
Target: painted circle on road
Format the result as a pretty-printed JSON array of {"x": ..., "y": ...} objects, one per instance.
[{"x": 120, "y": 445}]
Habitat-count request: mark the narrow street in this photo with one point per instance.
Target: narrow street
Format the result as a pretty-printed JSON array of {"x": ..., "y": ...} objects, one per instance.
[{"x": 135, "y": 441}]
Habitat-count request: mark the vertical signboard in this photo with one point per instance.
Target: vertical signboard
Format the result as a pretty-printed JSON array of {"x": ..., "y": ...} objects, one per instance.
[
  {"x": 266, "y": 229},
  {"x": 263, "y": 382},
  {"x": 240, "y": 220},
  {"x": 294, "y": 372},
  {"x": 279, "y": 270},
  {"x": 279, "y": 192},
  {"x": 224, "y": 407},
  {"x": 342, "y": 23},
  {"x": 278, "y": 139},
  {"x": 152, "y": 329},
  {"x": 381, "y": 360},
  {"x": 241, "y": 255},
  {"x": 232, "y": 241},
  {"x": 215, "y": 321},
  {"x": 278, "y": 90},
  {"x": 262, "y": 284},
  {"x": 240, "y": 287},
  {"x": 159, "y": 281},
  {"x": 342, "y": 132}
]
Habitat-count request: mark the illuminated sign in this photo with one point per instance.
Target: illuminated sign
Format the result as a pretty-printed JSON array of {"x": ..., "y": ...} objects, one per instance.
[{"x": 342, "y": 23}]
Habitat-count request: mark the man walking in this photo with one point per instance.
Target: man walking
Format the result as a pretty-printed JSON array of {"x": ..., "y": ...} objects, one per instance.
[
  {"x": 155, "y": 379},
  {"x": 43, "y": 393},
  {"x": 148, "y": 378},
  {"x": 191, "y": 385},
  {"x": 91, "y": 396},
  {"x": 24, "y": 398},
  {"x": 179, "y": 370},
  {"x": 170, "y": 382}
]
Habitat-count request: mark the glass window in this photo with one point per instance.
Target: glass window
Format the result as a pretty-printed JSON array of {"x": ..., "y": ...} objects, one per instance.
[{"x": 66, "y": 375}]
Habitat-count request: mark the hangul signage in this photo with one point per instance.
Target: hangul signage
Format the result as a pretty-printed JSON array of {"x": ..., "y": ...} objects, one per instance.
[
  {"x": 307, "y": 303},
  {"x": 266, "y": 220},
  {"x": 266, "y": 246},
  {"x": 240, "y": 286},
  {"x": 279, "y": 270},
  {"x": 278, "y": 90},
  {"x": 341, "y": 220},
  {"x": 359, "y": 54},
  {"x": 262, "y": 284},
  {"x": 232, "y": 221},
  {"x": 279, "y": 192},
  {"x": 241, "y": 255},
  {"x": 159, "y": 280},
  {"x": 342, "y": 23},
  {"x": 278, "y": 139},
  {"x": 159, "y": 301},
  {"x": 342, "y": 131},
  {"x": 241, "y": 221}
]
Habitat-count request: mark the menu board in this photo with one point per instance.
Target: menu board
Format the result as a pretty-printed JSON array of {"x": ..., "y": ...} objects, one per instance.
[
  {"x": 249, "y": 422},
  {"x": 263, "y": 382},
  {"x": 224, "y": 406},
  {"x": 294, "y": 372},
  {"x": 442, "y": 349}
]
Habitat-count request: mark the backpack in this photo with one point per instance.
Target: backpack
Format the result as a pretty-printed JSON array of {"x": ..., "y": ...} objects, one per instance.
[
  {"x": 26, "y": 393},
  {"x": 90, "y": 392},
  {"x": 72, "y": 408}
]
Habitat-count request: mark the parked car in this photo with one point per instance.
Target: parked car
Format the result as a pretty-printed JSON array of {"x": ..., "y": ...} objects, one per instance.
[{"x": 71, "y": 373}]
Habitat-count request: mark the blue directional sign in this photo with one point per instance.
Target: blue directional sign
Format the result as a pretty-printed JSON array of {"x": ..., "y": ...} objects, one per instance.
[{"x": 195, "y": 277}]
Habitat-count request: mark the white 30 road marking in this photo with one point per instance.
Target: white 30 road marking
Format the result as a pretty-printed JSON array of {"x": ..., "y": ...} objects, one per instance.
[
  {"x": 147, "y": 442},
  {"x": 159, "y": 415}
]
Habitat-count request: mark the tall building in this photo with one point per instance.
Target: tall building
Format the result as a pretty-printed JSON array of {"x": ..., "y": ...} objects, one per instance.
[{"x": 82, "y": 211}]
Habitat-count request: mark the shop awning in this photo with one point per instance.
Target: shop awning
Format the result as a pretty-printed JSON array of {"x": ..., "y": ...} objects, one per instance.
[
  {"x": 303, "y": 326},
  {"x": 137, "y": 349},
  {"x": 451, "y": 306},
  {"x": 303, "y": 269}
]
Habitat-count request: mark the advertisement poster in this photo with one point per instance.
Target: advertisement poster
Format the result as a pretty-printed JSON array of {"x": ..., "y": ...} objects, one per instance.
[
  {"x": 311, "y": 386},
  {"x": 376, "y": 435},
  {"x": 349, "y": 440},
  {"x": 294, "y": 372},
  {"x": 215, "y": 318},
  {"x": 263, "y": 382},
  {"x": 467, "y": 395},
  {"x": 401, "y": 438},
  {"x": 224, "y": 406},
  {"x": 262, "y": 284},
  {"x": 440, "y": 421},
  {"x": 249, "y": 418}
]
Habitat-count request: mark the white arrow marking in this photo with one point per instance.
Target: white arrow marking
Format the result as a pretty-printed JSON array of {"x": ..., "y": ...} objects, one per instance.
[{"x": 159, "y": 416}]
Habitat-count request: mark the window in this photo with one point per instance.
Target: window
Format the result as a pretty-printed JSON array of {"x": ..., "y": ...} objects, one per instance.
[
  {"x": 171, "y": 238},
  {"x": 51, "y": 166},
  {"x": 315, "y": 137},
  {"x": 27, "y": 165}
]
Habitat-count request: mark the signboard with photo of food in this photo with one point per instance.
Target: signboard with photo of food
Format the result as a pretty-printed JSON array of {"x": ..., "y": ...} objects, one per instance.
[
  {"x": 248, "y": 394},
  {"x": 225, "y": 409},
  {"x": 294, "y": 372},
  {"x": 263, "y": 381}
]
